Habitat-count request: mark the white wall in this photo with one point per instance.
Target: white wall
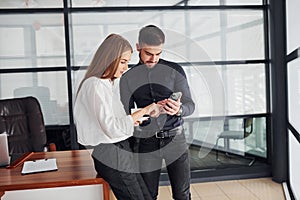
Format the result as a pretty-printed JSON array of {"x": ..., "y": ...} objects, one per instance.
[
  {"x": 89, "y": 192},
  {"x": 294, "y": 160},
  {"x": 293, "y": 26}
]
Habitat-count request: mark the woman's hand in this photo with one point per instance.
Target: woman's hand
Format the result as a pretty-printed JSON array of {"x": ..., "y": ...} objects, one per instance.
[
  {"x": 152, "y": 110},
  {"x": 155, "y": 110}
]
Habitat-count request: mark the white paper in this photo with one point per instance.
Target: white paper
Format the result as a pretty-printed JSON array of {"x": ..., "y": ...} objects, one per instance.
[{"x": 41, "y": 165}]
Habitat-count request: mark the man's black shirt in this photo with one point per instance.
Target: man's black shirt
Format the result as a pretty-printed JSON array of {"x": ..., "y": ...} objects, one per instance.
[{"x": 142, "y": 86}]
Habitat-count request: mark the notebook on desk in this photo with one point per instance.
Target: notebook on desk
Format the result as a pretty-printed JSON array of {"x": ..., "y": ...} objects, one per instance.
[
  {"x": 4, "y": 154},
  {"x": 41, "y": 165}
]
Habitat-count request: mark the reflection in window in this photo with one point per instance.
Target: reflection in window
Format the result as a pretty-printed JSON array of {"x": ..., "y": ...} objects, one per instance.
[
  {"x": 31, "y": 3},
  {"x": 48, "y": 87},
  {"x": 129, "y": 3},
  {"x": 34, "y": 40},
  {"x": 191, "y": 36},
  {"x": 124, "y": 3}
]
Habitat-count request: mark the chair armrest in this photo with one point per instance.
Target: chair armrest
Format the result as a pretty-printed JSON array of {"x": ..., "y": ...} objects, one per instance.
[{"x": 50, "y": 147}]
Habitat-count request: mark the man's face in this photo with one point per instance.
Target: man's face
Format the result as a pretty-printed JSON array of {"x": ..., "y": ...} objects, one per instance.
[{"x": 149, "y": 55}]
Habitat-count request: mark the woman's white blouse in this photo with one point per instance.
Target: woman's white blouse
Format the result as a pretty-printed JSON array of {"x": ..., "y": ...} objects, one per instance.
[{"x": 99, "y": 114}]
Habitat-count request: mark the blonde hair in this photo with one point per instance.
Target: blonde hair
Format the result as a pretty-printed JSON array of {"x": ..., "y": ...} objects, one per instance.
[{"x": 107, "y": 58}]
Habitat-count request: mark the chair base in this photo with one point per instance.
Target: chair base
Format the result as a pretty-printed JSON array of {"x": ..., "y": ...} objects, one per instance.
[{"x": 252, "y": 159}]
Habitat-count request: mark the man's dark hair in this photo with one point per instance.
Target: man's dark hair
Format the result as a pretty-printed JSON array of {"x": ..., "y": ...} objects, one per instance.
[{"x": 151, "y": 35}]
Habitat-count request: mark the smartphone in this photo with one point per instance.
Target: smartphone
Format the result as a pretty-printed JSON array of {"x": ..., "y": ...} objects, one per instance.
[{"x": 175, "y": 96}]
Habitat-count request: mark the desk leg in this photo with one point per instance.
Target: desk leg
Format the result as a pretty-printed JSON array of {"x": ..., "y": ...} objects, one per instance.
[{"x": 106, "y": 191}]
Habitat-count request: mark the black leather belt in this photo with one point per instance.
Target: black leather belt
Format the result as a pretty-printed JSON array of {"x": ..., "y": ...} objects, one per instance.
[{"x": 168, "y": 133}]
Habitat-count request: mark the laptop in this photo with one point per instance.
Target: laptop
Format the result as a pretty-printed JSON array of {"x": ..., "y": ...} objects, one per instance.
[{"x": 4, "y": 154}]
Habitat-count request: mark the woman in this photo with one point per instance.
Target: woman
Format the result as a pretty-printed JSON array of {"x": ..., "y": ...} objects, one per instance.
[{"x": 101, "y": 120}]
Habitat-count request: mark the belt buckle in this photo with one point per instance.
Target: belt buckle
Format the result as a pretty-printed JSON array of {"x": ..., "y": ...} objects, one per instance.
[{"x": 159, "y": 136}]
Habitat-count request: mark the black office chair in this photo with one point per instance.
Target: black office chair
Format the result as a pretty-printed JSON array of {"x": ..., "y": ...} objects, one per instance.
[
  {"x": 42, "y": 94},
  {"x": 22, "y": 120},
  {"x": 236, "y": 135}
]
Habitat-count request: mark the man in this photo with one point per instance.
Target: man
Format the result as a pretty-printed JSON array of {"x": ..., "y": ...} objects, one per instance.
[{"x": 155, "y": 80}]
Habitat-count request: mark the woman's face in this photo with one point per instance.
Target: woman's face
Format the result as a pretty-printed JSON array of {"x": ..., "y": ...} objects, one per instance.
[{"x": 123, "y": 65}]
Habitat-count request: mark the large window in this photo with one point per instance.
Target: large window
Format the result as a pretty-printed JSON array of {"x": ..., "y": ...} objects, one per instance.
[
  {"x": 293, "y": 77},
  {"x": 34, "y": 46},
  {"x": 32, "y": 40},
  {"x": 220, "y": 43},
  {"x": 193, "y": 37}
]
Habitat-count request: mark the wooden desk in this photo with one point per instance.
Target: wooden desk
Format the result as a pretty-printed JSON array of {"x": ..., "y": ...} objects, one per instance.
[{"x": 74, "y": 168}]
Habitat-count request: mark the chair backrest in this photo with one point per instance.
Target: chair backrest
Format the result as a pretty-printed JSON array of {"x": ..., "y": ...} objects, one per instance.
[
  {"x": 42, "y": 94},
  {"x": 22, "y": 120},
  {"x": 248, "y": 126}
]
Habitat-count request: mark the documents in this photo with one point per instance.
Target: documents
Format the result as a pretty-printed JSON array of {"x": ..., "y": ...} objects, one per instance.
[{"x": 41, "y": 165}]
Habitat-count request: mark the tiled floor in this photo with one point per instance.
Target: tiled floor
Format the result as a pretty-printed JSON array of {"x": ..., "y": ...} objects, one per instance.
[{"x": 249, "y": 189}]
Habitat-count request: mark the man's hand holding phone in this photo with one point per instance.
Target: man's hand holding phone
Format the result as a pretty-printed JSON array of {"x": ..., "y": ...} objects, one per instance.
[
  {"x": 172, "y": 104},
  {"x": 176, "y": 95}
]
